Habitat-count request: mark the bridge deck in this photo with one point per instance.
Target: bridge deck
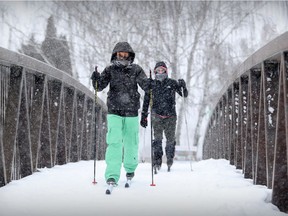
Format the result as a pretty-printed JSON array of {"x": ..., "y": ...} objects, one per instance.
[{"x": 214, "y": 187}]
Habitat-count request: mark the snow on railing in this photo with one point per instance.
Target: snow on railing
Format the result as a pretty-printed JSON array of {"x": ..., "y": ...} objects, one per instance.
[
  {"x": 47, "y": 118},
  {"x": 249, "y": 124}
]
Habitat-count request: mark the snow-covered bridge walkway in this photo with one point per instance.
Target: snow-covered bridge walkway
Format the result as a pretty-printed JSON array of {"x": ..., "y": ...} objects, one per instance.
[{"x": 213, "y": 187}]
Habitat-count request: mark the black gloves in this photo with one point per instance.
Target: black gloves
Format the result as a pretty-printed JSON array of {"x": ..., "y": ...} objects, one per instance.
[
  {"x": 183, "y": 85},
  {"x": 95, "y": 75},
  {"x": 150, "y": 80},
  {"x": 185, "y": 92},
  {"x": 144, "y": 121}
]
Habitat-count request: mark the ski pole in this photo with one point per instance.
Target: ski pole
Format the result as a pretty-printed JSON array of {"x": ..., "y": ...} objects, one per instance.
[
  {"x": 143, "y": 149},
  {"x": 189, "y": 149},
  {"x": 96, "y": 89},
  {"x": 152, "y": 152}
]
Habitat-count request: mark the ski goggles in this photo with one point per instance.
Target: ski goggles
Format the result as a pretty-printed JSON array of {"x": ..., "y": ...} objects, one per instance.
[{"x": 160, "y": 70}]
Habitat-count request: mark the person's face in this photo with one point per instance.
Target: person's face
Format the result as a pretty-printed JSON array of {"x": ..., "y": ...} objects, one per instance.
[
  {"x": 161, "y": 73},
  {"x": 160, "y": 70},
  {"x": 122, "y": 55}
]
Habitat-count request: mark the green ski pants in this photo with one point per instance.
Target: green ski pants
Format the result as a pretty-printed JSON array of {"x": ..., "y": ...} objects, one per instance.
[{"x": 122, "y": 145}]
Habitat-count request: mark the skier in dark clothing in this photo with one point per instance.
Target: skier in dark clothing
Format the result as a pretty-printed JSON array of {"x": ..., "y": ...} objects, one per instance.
[
  {"x": 123, "y": 103},
  {"x": 164, "y": 115}
]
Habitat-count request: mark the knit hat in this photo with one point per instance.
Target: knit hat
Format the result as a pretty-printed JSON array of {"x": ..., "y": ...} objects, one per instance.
[
  {"x": 160, "y": 71},
  {"x": 160, "y": 64}
]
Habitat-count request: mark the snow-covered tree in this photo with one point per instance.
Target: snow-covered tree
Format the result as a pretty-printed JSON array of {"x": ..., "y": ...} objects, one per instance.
[{"x": 56, "y": 48}]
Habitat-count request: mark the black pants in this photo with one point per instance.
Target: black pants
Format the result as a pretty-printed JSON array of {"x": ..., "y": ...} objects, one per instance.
[{"x": 168, "y": 127}]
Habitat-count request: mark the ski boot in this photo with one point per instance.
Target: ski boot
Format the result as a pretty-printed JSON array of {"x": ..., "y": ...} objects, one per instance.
[
  {"x": 157, "y": 155},
  {"x": 157, "y": 165},
  {"x": 111, "y": 183},
  {"x": 170, "y": 153},
  {"x": 156, "y": 168},
  {"x": 169, "y": 163},
  {"x": 129, "y": 177}
]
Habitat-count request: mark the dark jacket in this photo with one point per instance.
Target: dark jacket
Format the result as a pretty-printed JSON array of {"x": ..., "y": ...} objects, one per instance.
[
  {"x": 123, "y": 96},
  {"x": 163, "y": 97}
]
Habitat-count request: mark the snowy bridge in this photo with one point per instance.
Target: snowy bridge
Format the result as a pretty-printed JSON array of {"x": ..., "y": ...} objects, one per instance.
[
  {"x": 47, "y": 118},
  {"x": 249, "y": 125}
]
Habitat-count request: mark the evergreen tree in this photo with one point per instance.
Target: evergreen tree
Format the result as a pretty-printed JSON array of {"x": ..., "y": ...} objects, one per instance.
[
  {"x": 56, "y": 49},
  {"x": 63, "y": 56},
  {"x": 32, "y": 49},
  {"x": 49, "y": 45}
]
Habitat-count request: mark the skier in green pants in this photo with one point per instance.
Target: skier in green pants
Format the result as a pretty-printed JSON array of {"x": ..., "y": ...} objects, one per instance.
[{"x": 123, "y": 103}]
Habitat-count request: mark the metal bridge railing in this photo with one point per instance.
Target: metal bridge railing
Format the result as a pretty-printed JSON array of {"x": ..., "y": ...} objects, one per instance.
[
  {"x": 47, "y": 118},
  {"x": 249, "y": 125}
]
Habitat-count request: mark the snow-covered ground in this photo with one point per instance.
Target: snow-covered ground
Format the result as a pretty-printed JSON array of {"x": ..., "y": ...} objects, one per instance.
[{"x": 212, "y": 187}]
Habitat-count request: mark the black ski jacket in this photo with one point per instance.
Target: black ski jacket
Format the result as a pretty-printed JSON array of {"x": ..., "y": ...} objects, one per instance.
[
  {"x": 163, "y": 97},
  {"x": 123, "y": 96}
]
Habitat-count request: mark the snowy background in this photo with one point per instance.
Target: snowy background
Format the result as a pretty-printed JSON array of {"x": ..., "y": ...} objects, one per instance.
[
  {"x": 213, "y": 187},
  {"x": 201, "y": 41}
]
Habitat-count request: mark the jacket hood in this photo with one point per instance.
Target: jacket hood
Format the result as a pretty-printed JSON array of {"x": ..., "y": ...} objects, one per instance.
[
  {"x": 160, "y": 64},
  {"x": 123, "y": 47}
]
